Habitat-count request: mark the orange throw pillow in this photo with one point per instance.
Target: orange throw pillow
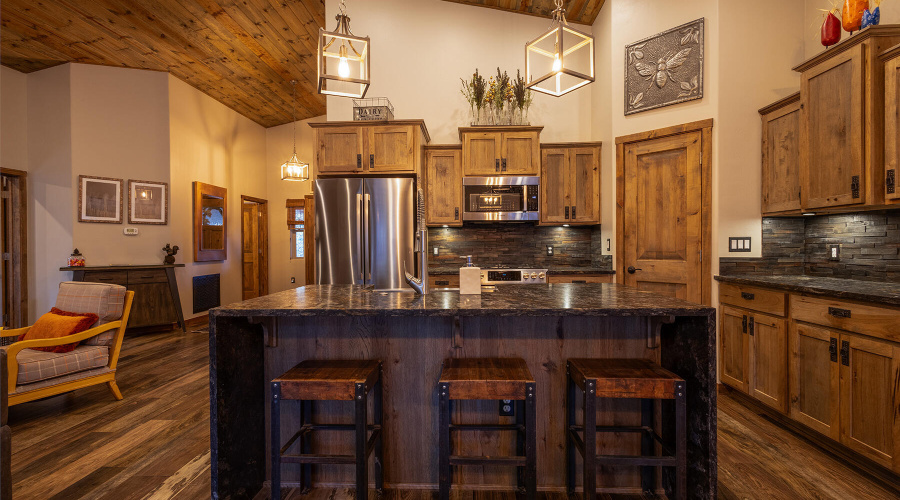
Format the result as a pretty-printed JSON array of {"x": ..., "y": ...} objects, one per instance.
[{"x": 58, "y": 323}]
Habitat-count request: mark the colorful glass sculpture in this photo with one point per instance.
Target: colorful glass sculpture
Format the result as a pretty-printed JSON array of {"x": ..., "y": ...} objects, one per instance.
[
  {"x": 871, "y": 18},
  {"x": 831, "y": 30},
  {"x": 852, "y": 14}
]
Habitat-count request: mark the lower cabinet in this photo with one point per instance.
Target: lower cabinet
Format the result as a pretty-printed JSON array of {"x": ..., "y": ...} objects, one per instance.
[
  {"x": 754, "y": 355},
  {"x": 580, "y": 278},
  {"x": 815, "y": 378},
  {"x": 445, "y": 281}
]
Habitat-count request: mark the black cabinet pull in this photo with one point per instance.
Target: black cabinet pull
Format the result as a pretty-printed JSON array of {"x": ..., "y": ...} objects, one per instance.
[
  {"x": 891, "y": 181},
  {"x": 371, "y": 161},
  {"x": 854, "y": 186},
  {"x": 359, "y": 161},
  {"x": 456, "y": 213},
  {"x": 845, "y": 352},
  {"x": 744, "y": 324},
  {"x": 442, "y": 282},
  {"x": 750, "y": 325},
  {"x": 747, "y": 296},
  {"x": 503, "y": 165},
  {"x": 838, "y": 312},
  {"x": 833, "y": 350},
  {"x": 567, "y": 211},
  {"x": 497, "y": 165},
  {"x": 579, "y": 281},
  {"x": 573, "y": 212}
]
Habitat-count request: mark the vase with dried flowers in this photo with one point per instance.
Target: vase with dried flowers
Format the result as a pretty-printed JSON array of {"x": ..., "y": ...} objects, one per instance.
[
  {"x": 522, "y": 98},
  {"x": 475, "y": 91},
  {"x": 500, "y": 96}
]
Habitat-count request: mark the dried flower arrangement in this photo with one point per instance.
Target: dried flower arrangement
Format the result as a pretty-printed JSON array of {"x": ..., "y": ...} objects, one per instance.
[{"x": 497, "y": 101}]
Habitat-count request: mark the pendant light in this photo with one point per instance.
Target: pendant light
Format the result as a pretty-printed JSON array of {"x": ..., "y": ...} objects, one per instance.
[
  {"x": 563, "y": 57},
  {"x": 294, "y": 169},
  {"x": 343, "y": 60}
]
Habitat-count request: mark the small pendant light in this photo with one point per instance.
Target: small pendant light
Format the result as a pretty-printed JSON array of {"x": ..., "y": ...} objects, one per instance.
[
  {"x": 294, "y": 169},
  {"x": 343, "y": 60},
  {"x": 562, "y": 56}
]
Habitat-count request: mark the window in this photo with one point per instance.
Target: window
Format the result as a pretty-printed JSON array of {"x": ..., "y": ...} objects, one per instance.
[{"x": 296, "y": 220}]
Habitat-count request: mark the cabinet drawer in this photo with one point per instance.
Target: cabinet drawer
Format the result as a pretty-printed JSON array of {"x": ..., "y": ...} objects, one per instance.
[
  {"x": 757, "y": 299},
  {"x": 113, "y": 277},
  {"x": 868, "y": 320},
  {"x": 580, "y": 278},
  {"x": 148, "y": 276},
  {"x": 448, "y": 281}
]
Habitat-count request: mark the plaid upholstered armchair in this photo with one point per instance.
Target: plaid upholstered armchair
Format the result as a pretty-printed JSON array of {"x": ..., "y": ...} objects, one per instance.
[{"x": 35, "y": 374}]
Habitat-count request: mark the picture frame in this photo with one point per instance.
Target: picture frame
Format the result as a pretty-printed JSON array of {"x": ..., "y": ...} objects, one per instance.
[
  {"x": 148, "y": 202},
  {"x": 100, "y": 199}
]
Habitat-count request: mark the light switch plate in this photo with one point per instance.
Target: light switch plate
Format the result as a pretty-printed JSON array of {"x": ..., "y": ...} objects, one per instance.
[
  {"x": 549, "y": 250},
  {"x": 834, "y": 252},
  {"x": 435, "y": 251},
  {"x": 739, "y": 244}
]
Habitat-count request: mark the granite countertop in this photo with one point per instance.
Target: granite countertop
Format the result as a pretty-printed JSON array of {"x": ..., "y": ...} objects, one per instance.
[
  {"x": 445, "y": 271},
  {"x": 510, "y": 300},
  {"x": 842, "y": 288}
]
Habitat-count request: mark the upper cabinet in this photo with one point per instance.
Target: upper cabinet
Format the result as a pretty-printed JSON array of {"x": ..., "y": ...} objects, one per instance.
[
  {"x": 781, "y": 156},
  {"x": 348, "y": 148},
  {"x": 511, "y": 150},
  {"x": 570, "y": 183},
  {"x": 892, "y": 124},
  {"x": 842, "y": 124},
  {"x": 443, "y": 178}
]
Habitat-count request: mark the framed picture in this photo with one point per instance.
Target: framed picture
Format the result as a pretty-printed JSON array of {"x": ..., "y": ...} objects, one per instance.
[
  {"x": 148, "y": 202},
  {"x": 99, "y": 199}
]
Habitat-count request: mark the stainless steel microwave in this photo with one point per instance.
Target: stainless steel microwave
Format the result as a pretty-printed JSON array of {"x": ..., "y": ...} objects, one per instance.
[{"x": 501, "y": 198}]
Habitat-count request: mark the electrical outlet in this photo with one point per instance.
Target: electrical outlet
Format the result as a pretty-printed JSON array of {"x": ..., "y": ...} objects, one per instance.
[
  {"x": 549, "y": 250},
  {"x": 507, "y": 409},
  {"x": 740, "y": 244},
  {"x": 293, "y": 280},
  {"x": 435, "y": 251},
  {"x": 834, "y": 252}
]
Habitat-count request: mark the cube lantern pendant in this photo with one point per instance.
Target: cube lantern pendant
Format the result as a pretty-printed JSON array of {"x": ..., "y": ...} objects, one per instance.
[
  {"x": 294, "y": 169},
  {"x": 343, "y": 60},
  {"x": 562, "y": 58}
]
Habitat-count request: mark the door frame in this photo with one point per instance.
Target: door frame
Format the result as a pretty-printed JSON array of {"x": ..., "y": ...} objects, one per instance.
[
  {"x": 263, "y": 243},
  {"x": 309, "y": 238},
  {"x": 18, "y": 317},
  {"x": 705, "y": 129}
]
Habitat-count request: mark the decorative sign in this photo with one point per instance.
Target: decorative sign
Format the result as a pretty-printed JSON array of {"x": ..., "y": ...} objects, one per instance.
[{"x": 665, "y": 69}]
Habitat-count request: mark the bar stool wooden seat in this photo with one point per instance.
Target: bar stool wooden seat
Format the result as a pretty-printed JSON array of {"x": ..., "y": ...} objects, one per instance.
[
  {"x": 489, "y": 379},
  {"x": 625, "y": 378},
  {"x": 329, "y": 380}
]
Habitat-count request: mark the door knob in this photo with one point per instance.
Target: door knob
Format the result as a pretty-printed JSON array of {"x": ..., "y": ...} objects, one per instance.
[{"x": 632, "y": 269}]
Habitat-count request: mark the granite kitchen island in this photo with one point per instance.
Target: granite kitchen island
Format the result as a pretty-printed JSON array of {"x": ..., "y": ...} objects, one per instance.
[{"x": 256, "y": 340}]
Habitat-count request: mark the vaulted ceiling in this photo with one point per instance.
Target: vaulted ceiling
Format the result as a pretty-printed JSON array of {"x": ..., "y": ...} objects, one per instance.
[
  {"x": 577, "y": 11},
  {"x": 243, "y": 53}
]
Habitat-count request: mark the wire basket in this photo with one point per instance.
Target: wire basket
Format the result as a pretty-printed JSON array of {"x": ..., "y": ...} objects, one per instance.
[{"x": 374, "y": 109}]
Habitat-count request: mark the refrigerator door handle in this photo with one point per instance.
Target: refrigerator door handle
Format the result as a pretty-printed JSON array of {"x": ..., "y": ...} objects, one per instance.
[
  {"x": 368, "y": 229},
  {"x": 359, "y": 234}
]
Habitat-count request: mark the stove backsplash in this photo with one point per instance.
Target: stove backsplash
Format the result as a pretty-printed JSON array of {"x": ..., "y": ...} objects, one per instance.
[
  {"x": 870, "y": 247},
  {"x": 517, "y": 245}
]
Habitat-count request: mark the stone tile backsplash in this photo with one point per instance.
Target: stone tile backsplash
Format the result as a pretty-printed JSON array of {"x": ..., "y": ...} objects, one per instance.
[{"x": 869, "y": 247}]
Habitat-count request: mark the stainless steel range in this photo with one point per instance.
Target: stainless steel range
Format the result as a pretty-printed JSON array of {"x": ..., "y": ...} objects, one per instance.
[{"x": 503, "y": 276}]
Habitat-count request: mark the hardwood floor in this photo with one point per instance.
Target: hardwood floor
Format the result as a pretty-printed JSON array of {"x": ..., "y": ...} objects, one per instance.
[{"x": 155, "y": 443}]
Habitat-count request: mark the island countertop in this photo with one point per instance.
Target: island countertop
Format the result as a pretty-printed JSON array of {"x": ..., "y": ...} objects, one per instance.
[{"x": 561, "y": 299}]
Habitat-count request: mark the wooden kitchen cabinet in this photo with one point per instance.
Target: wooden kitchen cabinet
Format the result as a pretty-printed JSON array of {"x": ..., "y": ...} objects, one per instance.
[
  {"x": 443, "y": 174},
  {"x": 891, "y": 60},
  {"x": 814, "y": 378},
  {"x": 781, "y": 156},
  {"x": 580, "y": 278},
  {"x": 768, "y": 360},
  {"x": 735, "y": 348},
  {"x": 362, "y": 148},
  {"x": 444, "y": 281},
  {"x": 570, "y": 183},
  {"x": 842, "y": 124},
  {"x": 506, "y": 150}
]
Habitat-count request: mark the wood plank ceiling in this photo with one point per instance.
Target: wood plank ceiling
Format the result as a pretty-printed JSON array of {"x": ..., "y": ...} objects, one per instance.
[
  {"x": 243, "y": 53},
  {"x": 577, "y": 11}
]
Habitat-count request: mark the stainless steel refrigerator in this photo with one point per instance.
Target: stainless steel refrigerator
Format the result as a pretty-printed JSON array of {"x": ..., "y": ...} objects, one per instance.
[{"x": 365, "y": 231}]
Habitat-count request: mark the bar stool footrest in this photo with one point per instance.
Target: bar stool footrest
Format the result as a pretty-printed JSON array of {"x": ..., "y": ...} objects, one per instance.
[
  {"x": 626, "y": 460},
  {"x": 319, "y": 459},
  {"x": 509, "y": 461},
  {"x": 495, "y": 427}
]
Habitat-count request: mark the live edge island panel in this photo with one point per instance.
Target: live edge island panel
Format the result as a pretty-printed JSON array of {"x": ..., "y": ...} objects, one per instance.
[{"x": 256, "y": 340}]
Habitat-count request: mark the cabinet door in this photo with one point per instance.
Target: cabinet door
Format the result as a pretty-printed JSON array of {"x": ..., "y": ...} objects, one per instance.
[
  {"x": 521, "y": 153},
  {"x": 735, "y": 348},
  {"x": 584, "y": 185},
  {"x": 444, "y": 181},
  {"x": 554, "y": 186},
  {"x": 152, "y": 305},
  {"x": 814, "y": 372},
  {"x": 340, "y": 150},
  {"x": 768, "y": 360},
  {"x": 781, "y": 160},
  {"x": 870, "y": 389},
  {"x": 892, "y": 129},
  {"x": 391, "y": 149},
  {"x": 831, "y": 132},
  {"x": 481, "y": 153}
]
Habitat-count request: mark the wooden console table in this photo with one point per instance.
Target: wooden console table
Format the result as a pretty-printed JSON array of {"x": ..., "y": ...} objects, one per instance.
[{"x": 156, "y": 300}]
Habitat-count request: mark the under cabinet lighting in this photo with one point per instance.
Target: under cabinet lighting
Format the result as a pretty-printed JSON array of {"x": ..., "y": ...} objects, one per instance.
[{"x": 809, "y": 213}]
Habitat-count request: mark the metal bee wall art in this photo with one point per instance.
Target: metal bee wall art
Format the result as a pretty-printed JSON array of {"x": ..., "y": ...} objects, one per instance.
[{"x": 664, "y": 69}]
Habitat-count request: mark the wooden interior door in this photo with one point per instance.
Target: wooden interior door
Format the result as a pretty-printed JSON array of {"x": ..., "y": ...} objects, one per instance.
[
  {"x": 520, "y": 153},
  {"x": 892, "y": 129},
  {"x": 781, "y": 160},
  {"x": 14, "y": 241},
  {"x": 391, "y": 148},
  {"x": 555, "y": 178},
  {"x": 340, "y": 150},
  {"x": 831, "y": 131},
  {"x": 254, "y": 248},
  {"x": 768, "y": 360},
  {"x": 481, "y": 153},
  {"x": 814, "y": 378},
  {"x": 663, "y": 225},
  {"x": 870, "y": 388},
  {"x": 735, "y": 348},
  {"x": 444, "y": 181},
  {"x": 584, "y": 185}
]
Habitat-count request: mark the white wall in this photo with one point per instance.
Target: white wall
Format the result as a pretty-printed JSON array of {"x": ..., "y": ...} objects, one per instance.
[
  {"x": 421, "y": 49},
  {"x": 13, "y": 119}
]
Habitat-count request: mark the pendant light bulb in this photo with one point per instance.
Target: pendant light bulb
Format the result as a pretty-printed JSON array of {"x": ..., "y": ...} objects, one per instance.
[
  {"x": 557, "y": 63},
  {"x": 343, "y": 67}
]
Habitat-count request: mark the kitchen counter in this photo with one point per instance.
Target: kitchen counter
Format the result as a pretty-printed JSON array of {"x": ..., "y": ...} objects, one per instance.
[
  {"x": 447, "y": 271},
  {"x": 254, "y": 341},
  {"x": 866, "y": 291}
]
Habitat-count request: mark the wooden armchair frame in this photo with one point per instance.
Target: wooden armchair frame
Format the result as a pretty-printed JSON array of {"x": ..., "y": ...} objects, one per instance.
[{"x": 109, "y": 378}]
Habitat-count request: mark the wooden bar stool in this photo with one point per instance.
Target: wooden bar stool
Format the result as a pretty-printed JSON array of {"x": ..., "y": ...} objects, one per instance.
[
  {"x": 331, "y": 380},
  {"x": 625, "y": 378},
  {"x": 489, "y": 379}
]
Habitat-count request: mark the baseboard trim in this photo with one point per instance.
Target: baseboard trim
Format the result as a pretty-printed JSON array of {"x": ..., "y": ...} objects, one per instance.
[{"x": 201, "y": 320}]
